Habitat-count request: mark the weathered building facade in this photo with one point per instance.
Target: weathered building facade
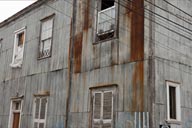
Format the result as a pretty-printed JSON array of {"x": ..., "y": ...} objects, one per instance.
[{"x": 97, "y": 64}]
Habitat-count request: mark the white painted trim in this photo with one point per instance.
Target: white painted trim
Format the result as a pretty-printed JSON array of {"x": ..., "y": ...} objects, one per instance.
[
  {"x": 15, "y": 111},
  {"x": 20, "y": 30},
  {"x": 16, "y": 41},
  {"x": 34, "y": 107},
  {"x": 178, "y": 102}
]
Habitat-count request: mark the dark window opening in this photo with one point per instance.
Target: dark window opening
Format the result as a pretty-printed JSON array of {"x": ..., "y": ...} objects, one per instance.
[
  {"x": 105, "y": 36},
  {"x": 107, "y": 4},
  {"x": 172, "y": 102},
  {"x": 20, "y": 38}
]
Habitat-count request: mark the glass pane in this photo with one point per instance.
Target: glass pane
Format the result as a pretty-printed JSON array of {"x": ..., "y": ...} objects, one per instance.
[
  {"x": 46, "y": 31},
  {"x": 41, "y": 125},
  {"x": 43, "y": 108},
  {"x": 37, "y": 105},
  {"x": 35, "y": 125}
]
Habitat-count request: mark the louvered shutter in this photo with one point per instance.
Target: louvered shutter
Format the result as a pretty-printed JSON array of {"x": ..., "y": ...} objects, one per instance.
[
  {"x": 43, "y": 108},
  {"x": 97, "y": 110},
  {"x": 107, "y": 109},
  {"x": 37, "y": 105}
]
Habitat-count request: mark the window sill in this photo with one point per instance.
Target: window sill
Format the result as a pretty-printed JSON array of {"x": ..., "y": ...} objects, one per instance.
[
  {"x": 172, "y": 121},
  {"x": 103, "y": 41},
  {"x": 42, "y": 58}
]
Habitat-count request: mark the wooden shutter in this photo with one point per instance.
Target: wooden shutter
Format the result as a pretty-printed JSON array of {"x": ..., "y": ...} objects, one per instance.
[
  {"x": 107, "y": 109},
  {"x": 37, "y": 105},
  {"x": 97, "y": 110},
  {"x": 43, "y": 108},
  {"x": 107, "y": 105}
]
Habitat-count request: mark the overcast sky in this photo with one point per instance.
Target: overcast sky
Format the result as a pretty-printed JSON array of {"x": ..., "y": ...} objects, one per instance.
[{"x": 10, "y": 7}]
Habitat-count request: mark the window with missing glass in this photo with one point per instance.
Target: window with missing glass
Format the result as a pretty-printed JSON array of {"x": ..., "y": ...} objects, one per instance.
[
  {"x": 18, "y": 48},
  {"x": 106, "y": 19},
  {"x": 173, "y": 101},
  {"x": 46, "y": 37}
]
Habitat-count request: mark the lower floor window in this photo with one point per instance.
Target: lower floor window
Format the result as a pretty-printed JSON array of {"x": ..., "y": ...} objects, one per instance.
[
  {"x": 15, "y": 114},
  {"x": 173, "y": 101},
  {"x": 103, "y": 108},
  {"x": 40, "y": 110}
]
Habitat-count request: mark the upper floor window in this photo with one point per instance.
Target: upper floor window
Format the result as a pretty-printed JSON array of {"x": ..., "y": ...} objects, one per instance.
[
  {"x": 173, "y": 101},
  {"x": 18, "y": 49},
  {"x": 40, "y": 110},
  {"x": 106, "y": 19},
  {"x": 46, "y": 37}
]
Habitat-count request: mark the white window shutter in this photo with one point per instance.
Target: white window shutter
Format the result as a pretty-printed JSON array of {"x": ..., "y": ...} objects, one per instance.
[
  {"x": 107, "y": 109},
  {"x": 107, "y": 105},
  {"x": 97, "y": 110},
  {"x": 97, "y": 106},
  {"x": 43, "y": 108},
  {"x": 37, "y": 106}
]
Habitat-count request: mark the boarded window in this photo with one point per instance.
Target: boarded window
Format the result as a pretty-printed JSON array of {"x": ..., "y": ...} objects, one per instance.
[
  {"x": 46, "y": 38},
  {"x": 103, "y": 109},
  {"x": 18, "y": 48},
  {"x": 40, "y": 108},
  {"x": 173, "y": 101}
]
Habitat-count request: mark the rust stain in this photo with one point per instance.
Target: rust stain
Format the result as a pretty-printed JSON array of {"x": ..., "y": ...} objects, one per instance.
[
  {"x": 78, "y": 40},
  {"x": 137, "y": 30},
  {"x": 87, "y": 19},
  {"x": 138, "y": 88},
  {"x": 137, "y": 53}
]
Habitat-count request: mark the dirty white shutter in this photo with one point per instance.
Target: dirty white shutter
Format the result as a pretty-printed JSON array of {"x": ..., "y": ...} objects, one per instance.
[
  {"x": 97, "y": 110},
  {"x": 107, "y": 109},
  {"x": 103, "y": 109},
  {"x": 37, "y": 105},
  {"x": 43, "y": 108}
]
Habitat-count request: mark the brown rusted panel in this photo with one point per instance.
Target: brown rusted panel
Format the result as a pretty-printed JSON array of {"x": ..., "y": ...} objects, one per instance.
[
  {"x": 138, "y": 87},
  {"x": 137, "y": 30},
  {"x": 87, "y": 18},
  {"x": 78, "y": 40}
]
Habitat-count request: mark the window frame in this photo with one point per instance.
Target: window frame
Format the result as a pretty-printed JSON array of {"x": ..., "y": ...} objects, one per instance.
[
  {"x": 34, "y": 110},
  {"x": 11, "y": 113},
  {"x": 50, "y": 17},
  {"x": 102, "y": 90},
  {"x": 116, "y": 28},
  {"x": 177, "y": 99},
  {"x": 16, "y": 33}
]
